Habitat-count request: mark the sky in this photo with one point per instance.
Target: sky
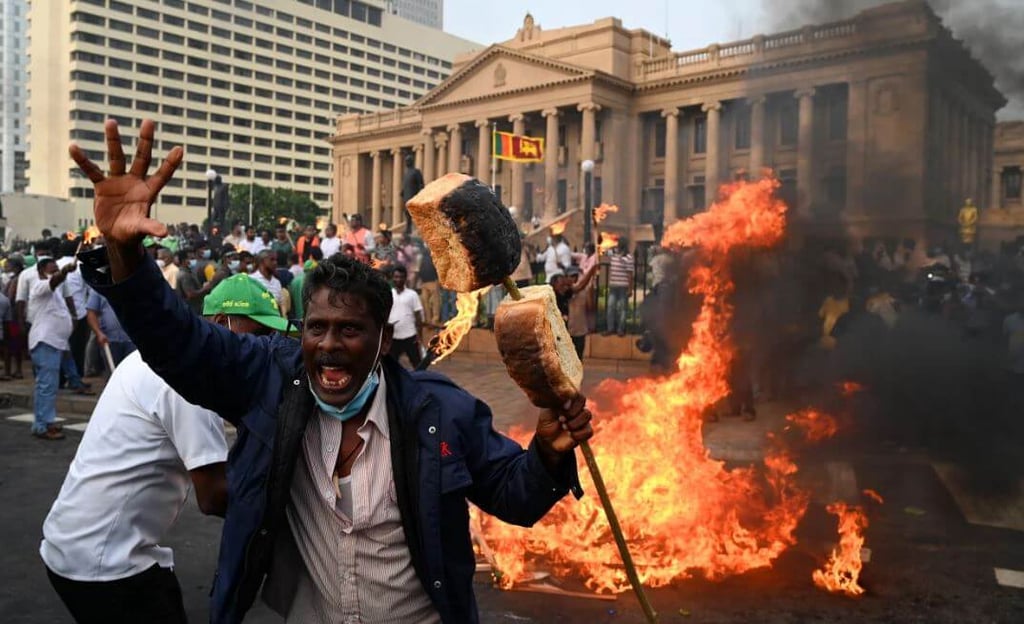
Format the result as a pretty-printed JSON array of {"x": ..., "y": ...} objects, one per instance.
[{"x": 717, "y": 21}]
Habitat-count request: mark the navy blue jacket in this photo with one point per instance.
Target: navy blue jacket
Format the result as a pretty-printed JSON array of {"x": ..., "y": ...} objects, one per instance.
[{"x": 259, "y": 385}]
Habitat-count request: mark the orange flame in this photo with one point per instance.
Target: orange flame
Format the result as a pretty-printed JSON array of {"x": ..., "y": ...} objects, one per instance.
[
  {"x": 559, "y": 226},
  {"x": 378, "y": 263},
  {"x": 842, "y": 570},
  {"x": 69, "y": 235},
  {"x": 850, "y": 388},
  {"x": 817, "y": 426},
  {"x": 458, "y": 326},
  {"x": 91, "y": 234},
  {"x": 873, "y": 495},
  {"x": 601, "y": 212},
  {"x": 608, "y": 242},
  {"x": 684, "y": 514}
]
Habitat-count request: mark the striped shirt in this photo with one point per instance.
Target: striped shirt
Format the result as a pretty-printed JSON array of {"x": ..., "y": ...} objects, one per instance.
[
  {"x": 357, "y": 565},
  {"x": 620, "y": 270}
]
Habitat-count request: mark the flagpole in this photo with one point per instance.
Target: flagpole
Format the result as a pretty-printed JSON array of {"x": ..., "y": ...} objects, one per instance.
[{"x": 494, "y": 162}]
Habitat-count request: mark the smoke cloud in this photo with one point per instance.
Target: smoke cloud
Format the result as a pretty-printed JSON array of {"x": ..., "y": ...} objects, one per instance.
[{"x": 993, "y": 30}]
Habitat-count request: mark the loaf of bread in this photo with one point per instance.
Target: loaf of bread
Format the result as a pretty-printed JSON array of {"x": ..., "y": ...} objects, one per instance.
[
  {"x": 473, "y": 239},
  {"x": 536, "y": 347}
]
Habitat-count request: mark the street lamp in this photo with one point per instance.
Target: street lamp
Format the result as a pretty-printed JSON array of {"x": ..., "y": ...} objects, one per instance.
[
  {"x": 211, "y": 177},
  {"x": 587, "y": 166}
]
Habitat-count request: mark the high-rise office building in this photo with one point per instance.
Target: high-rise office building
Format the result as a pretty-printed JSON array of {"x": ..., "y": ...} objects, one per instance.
[
  {"x": 12, "y": 95},
  {"x": 250, "y": 88},
  {"x": 426, "y": 12}
]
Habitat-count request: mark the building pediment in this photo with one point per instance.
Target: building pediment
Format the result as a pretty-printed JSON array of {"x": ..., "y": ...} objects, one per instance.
[{"x": 500, "y": 70}]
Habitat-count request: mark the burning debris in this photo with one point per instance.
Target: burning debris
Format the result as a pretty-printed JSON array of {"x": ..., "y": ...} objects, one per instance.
[
  {"x": 608, "y": 242},
  {"x": 684, "y": 513},
  {"x": 842, "y": 570},
  {"x": 466, "y": 305},
  {"x": 816, "y": 426}
]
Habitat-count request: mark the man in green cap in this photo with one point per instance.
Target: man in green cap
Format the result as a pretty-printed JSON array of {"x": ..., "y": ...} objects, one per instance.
[
  {"x": 244, "y": 306},
  {"x": 144, "y": 447}
]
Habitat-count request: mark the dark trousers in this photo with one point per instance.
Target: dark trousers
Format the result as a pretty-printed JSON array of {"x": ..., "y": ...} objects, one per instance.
[
  {"x": 153, "y": 596},
  {"x": 407, "y": 346},
  {"x": 578, "y": 343},
  {"x": 79, "y": 338}
]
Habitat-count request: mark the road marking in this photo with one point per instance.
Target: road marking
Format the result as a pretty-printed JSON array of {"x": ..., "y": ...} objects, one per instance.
[
  {"x": 78, "y": 426},
  {"x": 30, "y": 418},
  {"x": 1009, "y": 578},
  {"x": 1003, "y": 513}
]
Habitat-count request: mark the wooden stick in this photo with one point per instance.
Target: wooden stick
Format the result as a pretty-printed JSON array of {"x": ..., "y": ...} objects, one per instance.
[
  {"x": 606, "y": 502},
  {"x": 110, "y": 358}
]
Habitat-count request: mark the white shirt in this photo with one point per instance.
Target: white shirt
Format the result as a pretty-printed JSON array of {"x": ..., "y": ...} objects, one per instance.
[
  {"x": 129, "y": 479},
  {"x": 273, "y": 286},
  {"x": 252, "y": 246},
  {"x": 74, "y": 287},
  {"x": 357, "y": 566},
  {"x": 556, "y": 259},
  {"x": 404, "y": 307},
  {"x": 330, "y": 246},
  {"x": 52, "y": 324},
  {"x": 28, "y": 276}
]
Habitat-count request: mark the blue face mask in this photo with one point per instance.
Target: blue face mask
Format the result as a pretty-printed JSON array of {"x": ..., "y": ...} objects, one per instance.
[
  {"x": 357, "y": 403},
  {"x": 193, "y": 263},
  {"x": 233, "y": 266},
  {"x": 206, "y": 254}
]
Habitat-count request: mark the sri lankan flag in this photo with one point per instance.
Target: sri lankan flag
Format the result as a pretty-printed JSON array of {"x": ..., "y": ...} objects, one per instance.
[{"x": 508, "y": 146}]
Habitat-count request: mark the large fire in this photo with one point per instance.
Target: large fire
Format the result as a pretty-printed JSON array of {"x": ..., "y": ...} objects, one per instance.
[
  {"x": 559, "y": 226},
  {"x": 684, "y": 513},
  {"x": 842, "y": 570}
]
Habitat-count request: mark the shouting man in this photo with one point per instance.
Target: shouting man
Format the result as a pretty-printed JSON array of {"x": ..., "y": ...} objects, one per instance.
[{"x": 349, "y": 480}]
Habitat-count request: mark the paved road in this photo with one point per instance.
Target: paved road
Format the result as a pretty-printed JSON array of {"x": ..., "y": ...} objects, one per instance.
[{"x": 929, "y": 562}]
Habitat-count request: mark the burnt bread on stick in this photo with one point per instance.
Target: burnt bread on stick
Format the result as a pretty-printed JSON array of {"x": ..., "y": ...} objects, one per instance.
[
  {"x": 536, "y": 347},
  {"x": 472, "y": 238}
]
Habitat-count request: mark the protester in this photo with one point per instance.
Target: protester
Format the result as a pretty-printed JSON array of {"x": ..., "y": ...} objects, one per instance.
[
  {"x": 250, "y": 243},
  {"x": 266, "y": 241},
  {"x": 557, "y": 257},
  {"x": 360, "y": 237},
  {"x": 430, "y": 291},
  {"x": 188, "y": 287},
  {"x": 327, "y": 412},
  {"x": 14, "y": 329},
  {"x": 47, "y": 342},
  {"x": 168, "y": 265},
  {"x": 236, "y": 236},
  {"x": 296, "y": 285},
  {"x": 578, "y": 287},
  {"x": 266, "y": 266},
  {"x": 107, "y": 329},
  {"x": 281, "y": 243},
  {"x": 406, "y": 319},
  {"x": 523, "y": 275},
  {"x": 412, "y": 183},
  {"x": 6, "y": 316},
  {"x": 143, "y": 449},
  {"x": 306, "y": 242},
  {"x": 330, "y": 244},
  {"x": 384, "y": 256},
  {"x": 620, "y": 284}
]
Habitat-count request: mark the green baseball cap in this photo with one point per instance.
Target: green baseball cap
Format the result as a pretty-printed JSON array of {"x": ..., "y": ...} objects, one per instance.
[{"x": 244, "y": 296}]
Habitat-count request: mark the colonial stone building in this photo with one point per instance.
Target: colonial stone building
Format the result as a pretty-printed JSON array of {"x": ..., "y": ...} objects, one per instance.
[
  {"x": 882, "y": 122},
  {"x": 1005, "y": 218}
]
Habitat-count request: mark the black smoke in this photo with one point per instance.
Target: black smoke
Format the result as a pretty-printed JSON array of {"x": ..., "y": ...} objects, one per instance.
[{"x": 993, "y": 30}]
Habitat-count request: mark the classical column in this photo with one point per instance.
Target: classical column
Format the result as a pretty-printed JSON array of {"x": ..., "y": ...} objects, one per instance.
[
  {"x": 757, "y": 143},
  {"x": 441, "y": 141},
  {"x": 856, "y": 145},
  {"x": 551, "y": 142},
  {"x": 428, "y": 156},
  {"x": 417, "y": 151},
  {"x": 454, "y": 148},
  {"x": 967, "y": 155},
  {"x": 516, "y": 196},
  {"x": 375, "y": 181},
  {"x": 804, "y": 153},
  {"x": 712, "y": 157},
  {"x": 397, "y": 215},
  {"x": 483, "y": 151},
  {"x": 956, "y": 165},
  {"x": 996, "y": 193},
  {"x": 588, "y": 133},
  {"x": 671, "y": 213}
]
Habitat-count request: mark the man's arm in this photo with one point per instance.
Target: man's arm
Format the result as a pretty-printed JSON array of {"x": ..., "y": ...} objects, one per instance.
[
  {"x": 582, "y": 282},
  {"x": 93, "y": 319},
  {"x": 198, "y": 359},
  {"x": 211, "y": 488}
]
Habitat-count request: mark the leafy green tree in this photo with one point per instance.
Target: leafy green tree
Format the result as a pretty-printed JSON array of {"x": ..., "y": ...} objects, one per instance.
[{"x": 270, "y": 205}]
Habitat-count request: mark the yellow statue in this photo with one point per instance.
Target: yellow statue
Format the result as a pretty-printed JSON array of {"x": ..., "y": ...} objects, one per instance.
[{"x": 968, "y": 220}]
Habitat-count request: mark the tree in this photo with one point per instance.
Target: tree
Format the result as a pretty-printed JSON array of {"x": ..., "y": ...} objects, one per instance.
[{"x": 269, "y": 206}]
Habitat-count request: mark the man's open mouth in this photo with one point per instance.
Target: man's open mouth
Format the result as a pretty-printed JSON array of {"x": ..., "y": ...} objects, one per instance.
[{"x": 333, "y": 379}]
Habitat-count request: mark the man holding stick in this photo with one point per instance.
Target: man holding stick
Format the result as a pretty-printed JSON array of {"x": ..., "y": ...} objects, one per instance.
[{"x": 350, "y": 474}]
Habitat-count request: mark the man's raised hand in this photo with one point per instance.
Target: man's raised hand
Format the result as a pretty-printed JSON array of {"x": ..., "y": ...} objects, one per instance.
[{"x": 122, "y": 200}]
